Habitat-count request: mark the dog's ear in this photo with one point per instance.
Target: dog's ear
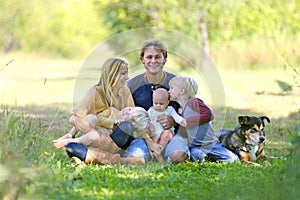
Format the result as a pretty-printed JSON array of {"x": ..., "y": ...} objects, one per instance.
[
  {"x": 264, "y": 118},
  {"x": 244, "y": 120}
]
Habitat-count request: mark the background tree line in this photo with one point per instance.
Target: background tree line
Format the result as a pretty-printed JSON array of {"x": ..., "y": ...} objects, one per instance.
[{"x": 70, "y": 28}]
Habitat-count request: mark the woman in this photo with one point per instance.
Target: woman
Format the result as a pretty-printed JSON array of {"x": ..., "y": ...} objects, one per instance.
[{"x": 108, "y": 94}]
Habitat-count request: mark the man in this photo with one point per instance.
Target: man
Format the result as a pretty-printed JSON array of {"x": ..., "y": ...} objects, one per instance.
[{"x": 153, "y": 55}]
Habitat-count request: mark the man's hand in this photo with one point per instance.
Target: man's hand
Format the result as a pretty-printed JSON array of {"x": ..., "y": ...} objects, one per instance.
[
  {"x": 155, "y": 148},
  {"x": 166, "y": 121}
]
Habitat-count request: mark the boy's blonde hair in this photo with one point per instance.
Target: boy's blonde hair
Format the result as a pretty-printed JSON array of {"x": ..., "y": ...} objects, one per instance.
[
  {"x": 140, "y": 119},
  {"x": 187, "y": 83}
]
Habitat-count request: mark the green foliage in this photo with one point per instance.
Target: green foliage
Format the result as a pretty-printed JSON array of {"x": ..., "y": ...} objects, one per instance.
[
  {"x": 242, "y": 19},
  {"x": 52, "y": 28},
  {"x": 70, "y": 28},
  {"x": 19, "y": 144},
  {"x": 295, "y": 139},
  {"x": 242, "y": 34},
  {"x": 13, "y": 17},
  {"x": 226, "y": 20},
  {"x": 16, "y": 131}
]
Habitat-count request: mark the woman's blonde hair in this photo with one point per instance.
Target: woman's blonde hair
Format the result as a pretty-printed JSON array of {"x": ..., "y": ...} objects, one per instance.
[
  {"x": 140, "y": 119},
  {"x": 111, "y": 72},
  {"x": 187, "y": 83}
]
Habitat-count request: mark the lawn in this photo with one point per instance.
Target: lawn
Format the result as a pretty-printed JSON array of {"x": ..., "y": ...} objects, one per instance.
[{"x": 36, "y": 95}]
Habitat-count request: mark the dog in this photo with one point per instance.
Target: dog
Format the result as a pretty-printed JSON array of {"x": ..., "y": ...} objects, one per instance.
[{"x": 247, "y": 140}]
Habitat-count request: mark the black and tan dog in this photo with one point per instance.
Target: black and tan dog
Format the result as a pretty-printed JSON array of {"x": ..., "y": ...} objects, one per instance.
[{"x": 247, "y": 139}]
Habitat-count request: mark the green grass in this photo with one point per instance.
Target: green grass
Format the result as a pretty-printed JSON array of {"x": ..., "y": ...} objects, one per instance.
[
  {"x": 36, "y": 98},
  {"x": 45, "y": 173}
]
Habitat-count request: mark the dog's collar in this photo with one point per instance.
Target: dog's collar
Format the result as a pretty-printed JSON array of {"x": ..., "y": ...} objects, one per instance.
[
  {"x": 249, "y": 144},
  {"x": 247, "y": 147}
]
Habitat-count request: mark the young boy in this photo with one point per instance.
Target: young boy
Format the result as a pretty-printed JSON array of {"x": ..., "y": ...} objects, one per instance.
[
  {"x": 202, "y": 140},
  {"x": 161, "y": 100}
]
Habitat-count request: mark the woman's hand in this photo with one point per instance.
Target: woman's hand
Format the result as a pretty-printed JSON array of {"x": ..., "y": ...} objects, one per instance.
[
  {"x": 119, "y": 121},
  {"x": 72, "y": 119}
]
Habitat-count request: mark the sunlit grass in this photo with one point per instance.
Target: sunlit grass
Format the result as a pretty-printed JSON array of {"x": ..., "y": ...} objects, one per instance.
[
  {"x": 29, "y": 79},
  {"x": 33, "y": 80},
  {"x": 40, "y": 164},
  {"x": 258, "y": 91}
]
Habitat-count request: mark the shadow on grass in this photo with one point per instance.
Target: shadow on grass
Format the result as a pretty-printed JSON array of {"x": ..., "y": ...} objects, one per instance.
[{"x": 51, "y": 118}]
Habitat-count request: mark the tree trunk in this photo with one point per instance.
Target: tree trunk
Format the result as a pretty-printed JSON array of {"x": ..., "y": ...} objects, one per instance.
[{"x": 205, "y": 43}]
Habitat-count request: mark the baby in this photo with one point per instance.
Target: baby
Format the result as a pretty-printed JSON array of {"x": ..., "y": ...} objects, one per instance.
[{"x": 161, "y": 99}]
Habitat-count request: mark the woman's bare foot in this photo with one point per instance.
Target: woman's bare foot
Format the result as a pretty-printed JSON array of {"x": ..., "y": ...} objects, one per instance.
[
  {"x": 60, "y": 143},
  {"x": 66, "y": 136},
  {"x": 76, "y": 160}
]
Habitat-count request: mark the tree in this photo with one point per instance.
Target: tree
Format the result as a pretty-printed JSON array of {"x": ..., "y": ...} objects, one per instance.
[
  {"x": 12, "y": 18},
  {"x": 225, "y": 20}
]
